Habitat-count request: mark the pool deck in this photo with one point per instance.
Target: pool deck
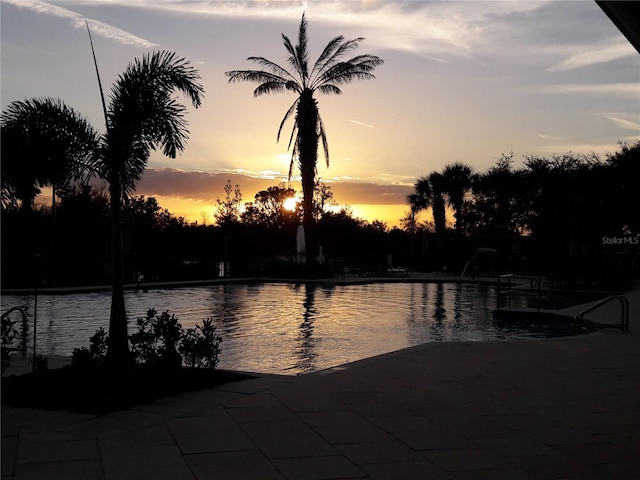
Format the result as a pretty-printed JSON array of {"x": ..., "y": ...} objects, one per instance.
[{"x": 562, "y": 408}]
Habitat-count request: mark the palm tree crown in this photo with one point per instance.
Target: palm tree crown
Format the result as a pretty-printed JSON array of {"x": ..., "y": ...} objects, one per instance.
[
  {"x": 457, "y": 180},
  {"x": 144, "y": 114},
  {"x": 44, "y": 142},
  {"x": 326, "y": 76}
]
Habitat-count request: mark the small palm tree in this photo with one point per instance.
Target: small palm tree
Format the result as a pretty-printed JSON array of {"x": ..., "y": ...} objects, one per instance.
[
  {"x": 437, "y": 201},
  {"x": 143, "y": 114},
  {"x": 428, "y": 192},
  {"x": 44, "y": 142},
  {"x": 457, "y": 179},
  {"x": 326, "y": 76}
]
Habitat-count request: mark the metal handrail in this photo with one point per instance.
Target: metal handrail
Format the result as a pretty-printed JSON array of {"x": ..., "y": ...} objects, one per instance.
[
  {"x": 535, "y": 286},
  {"x": 24, "y": 327},
  {"x": 624, "y": 313}
]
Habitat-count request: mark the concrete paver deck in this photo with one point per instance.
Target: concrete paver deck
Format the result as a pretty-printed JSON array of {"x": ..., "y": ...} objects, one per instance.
[{"x": 565, "y": 408}]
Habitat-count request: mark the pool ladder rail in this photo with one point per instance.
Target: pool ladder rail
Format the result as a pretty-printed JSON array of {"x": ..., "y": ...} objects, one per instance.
[
  {"x": 25, "y": 328},
  {"x": 579, "y": 320}
]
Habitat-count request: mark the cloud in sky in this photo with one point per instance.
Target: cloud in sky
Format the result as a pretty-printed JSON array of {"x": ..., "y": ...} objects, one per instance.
[
  {"x": 462, "y": 81},
  {"x": 209, "y": 186},
  {"x": 78, "y": 21},
  {"x": 630, "y": 90},
  {"x": 622, "y": 122},
  {"x": 357, "y": 122},
  {"x": 594, "y": 54},
  {"x": 454, "y": 28}
]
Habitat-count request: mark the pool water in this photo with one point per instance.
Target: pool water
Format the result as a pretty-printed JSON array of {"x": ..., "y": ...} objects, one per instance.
[{"x": 289, "y": 328}]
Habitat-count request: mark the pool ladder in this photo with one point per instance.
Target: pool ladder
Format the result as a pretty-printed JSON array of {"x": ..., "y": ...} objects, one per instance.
[
  {"x": 624, "y": 314},
  {"x": 25, "y": 329}
]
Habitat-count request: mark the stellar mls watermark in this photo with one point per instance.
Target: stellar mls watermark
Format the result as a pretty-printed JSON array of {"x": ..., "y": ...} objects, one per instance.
[{"x": 628, "y": 240}]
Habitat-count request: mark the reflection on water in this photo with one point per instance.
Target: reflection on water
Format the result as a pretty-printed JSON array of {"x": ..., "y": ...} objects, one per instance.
[{"x": 287, "y": 328}]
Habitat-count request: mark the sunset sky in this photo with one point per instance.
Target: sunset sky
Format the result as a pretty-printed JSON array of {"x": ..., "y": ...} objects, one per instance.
[{"x": 462, "y": 81}]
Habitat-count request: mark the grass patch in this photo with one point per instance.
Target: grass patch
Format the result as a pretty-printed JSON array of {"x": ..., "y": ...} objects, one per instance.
[{"x": 100, "y": 391}]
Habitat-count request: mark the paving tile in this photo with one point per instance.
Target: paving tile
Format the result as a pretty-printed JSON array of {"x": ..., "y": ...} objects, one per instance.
[
  {"x": 494, "y": 474},
  {"x": 627, "y": 470},
  {"x": 480, "y": 429},
  {"x": 256, "y": 400},
  {"x": 450, "y": 415},
  {"x": 92, "y": 431},
  {"x": 146, "y": 436},
  {"x": 357, "y": 430},
  {"x": 62, "y": 451},
  {"x": 597, "y": 453},
  {"x": 405, "y": 471},
  {"x": 379, "y": 452},
  {"x": 9, "y": 449},
  {"x": 465, "y": 459},
  {"x": 515, "y": 447},
  {"x": 382, "y": 409},
  {"x": 77, "y": 470},
  {"x": 629, "y": 439},
  {"x": 318, "y": 468},
  {"x": 557, "y": 467},
  {"x": 198, "y": 424},
  {"x": 37, "y": 436},
  {"x": 261, "y": 413},
  {"x": 561, "y": 435},
  {"x": 434, "y": 440},
  {"x": 308, "y": 401},
  {"x": 205, "y": 410},
  {"x": 406, "y": 424},
  {"x": 287, "y": 439},
  {"x": 159, "y": 407},
  {"x": 360, "y": 397},
  {"x": 125, "y": 420},
  {"x": 245, "y": 465},
  {"x": 524, "y": 420},
  {"x": 217, "y": 437},
  {"x": 160, "y": 462},
  {"x": 329, "y": 418}
]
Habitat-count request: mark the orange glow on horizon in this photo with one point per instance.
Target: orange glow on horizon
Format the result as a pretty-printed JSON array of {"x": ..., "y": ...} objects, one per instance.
[{"x": 202, "y": 212}]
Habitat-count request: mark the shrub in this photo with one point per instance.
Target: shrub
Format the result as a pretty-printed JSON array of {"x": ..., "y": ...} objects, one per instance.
[
  {"x": 200, "y": 346},
  {"x": 40, "y": 364},
  {"x": 157, "y": 339},
  {"x": 95, "y": 355}
]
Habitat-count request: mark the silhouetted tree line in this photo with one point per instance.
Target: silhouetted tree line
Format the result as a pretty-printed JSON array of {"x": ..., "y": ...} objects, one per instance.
[
  {"x": 256, "y": 238},
  {"x": 571, "y": 217}
]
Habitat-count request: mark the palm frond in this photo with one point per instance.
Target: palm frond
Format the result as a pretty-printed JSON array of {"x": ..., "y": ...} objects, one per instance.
[
  {"x": 328, "y": 51},
  {"x": 269, "y": 88},
  {"x": 325, "y": 143},
  {"x": 357, "y": 68},
  {"x": 272, "y": 67},
  {"x": 337, "y": 52},
  {"x": 328, "y": 89},
  {"x": 302, "y": 51},
  {"x": 292, "y": 109}
]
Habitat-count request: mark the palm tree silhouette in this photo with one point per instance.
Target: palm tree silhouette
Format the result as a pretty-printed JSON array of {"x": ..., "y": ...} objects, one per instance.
[
  {"x": 143, "y": 114},
  {"x": 44, "y": 142},
  {"x": 327, "y": 74},
  {"x": 457, "y": 180},
  {"x": 428, "y": 192}
]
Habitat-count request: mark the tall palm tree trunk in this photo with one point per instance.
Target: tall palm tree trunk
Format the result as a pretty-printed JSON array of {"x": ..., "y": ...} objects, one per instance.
[
  {"x": 439, "y": 215},
  {"x": 117, "y": 353},
  {"x": 307, "y": 117}
]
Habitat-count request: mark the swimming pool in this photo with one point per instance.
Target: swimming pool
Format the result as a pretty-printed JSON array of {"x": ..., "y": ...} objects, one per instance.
[{"x": 289, "y": 328}]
